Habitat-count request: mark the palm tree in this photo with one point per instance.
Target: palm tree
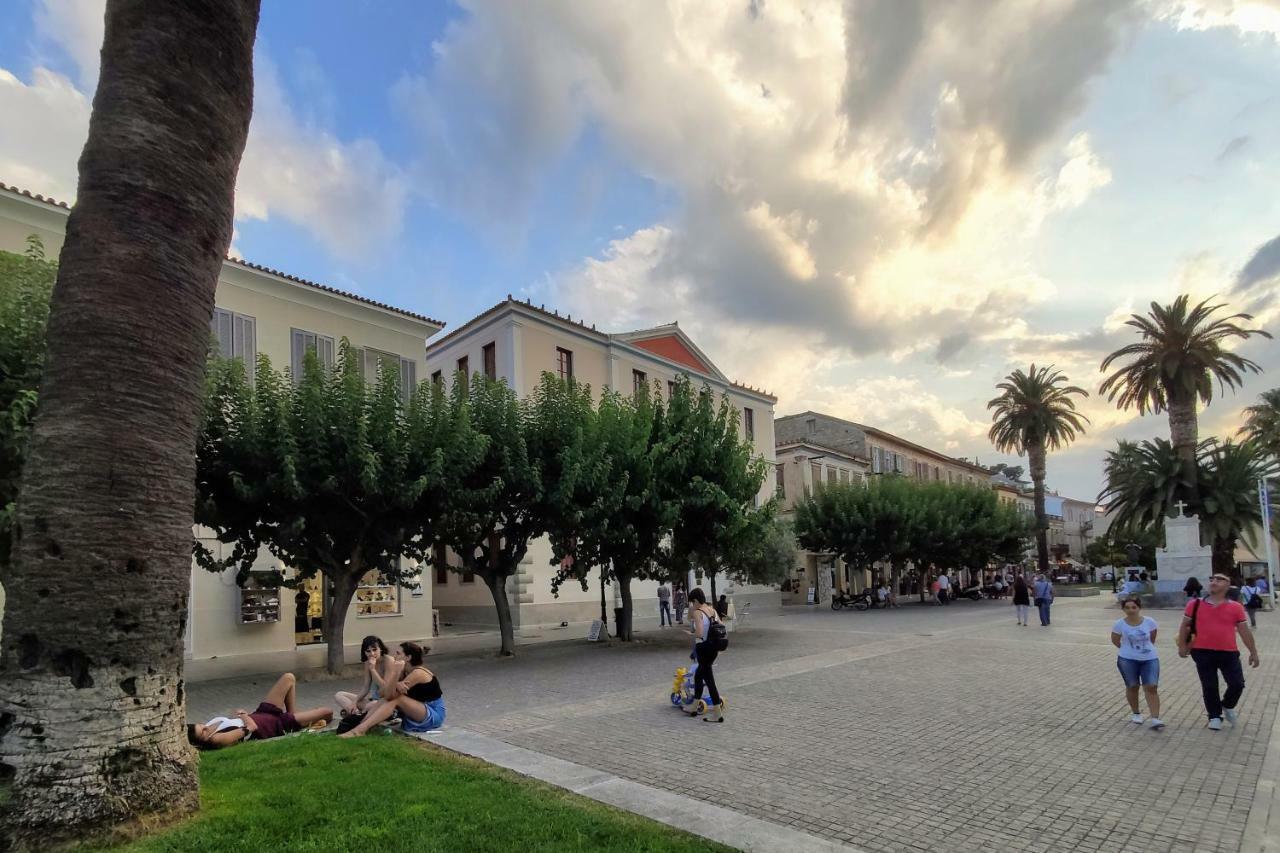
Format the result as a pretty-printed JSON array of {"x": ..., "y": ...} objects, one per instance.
[
  {"x": 1173, "y": 368},
  {"x": 1262, "y": 422},
  {"x": 1143, "y": 484},
  {"x": 91, "y": 710},
  {"x": 1036, "y": 413}
]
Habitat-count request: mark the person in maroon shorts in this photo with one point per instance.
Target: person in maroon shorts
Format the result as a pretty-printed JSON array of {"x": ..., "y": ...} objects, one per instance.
[
  {"x": 1212, "y": 646},
  {"x": 275, "y": 716}
]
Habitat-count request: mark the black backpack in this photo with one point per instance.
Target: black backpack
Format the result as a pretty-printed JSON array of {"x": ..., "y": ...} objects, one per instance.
[{"x": 718, "y": 635}]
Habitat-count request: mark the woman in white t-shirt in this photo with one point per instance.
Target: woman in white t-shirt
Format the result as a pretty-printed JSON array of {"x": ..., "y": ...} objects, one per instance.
[{"x": 1138, "y": 662}]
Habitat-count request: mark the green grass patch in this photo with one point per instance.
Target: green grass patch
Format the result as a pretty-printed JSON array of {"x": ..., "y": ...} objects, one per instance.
[{"x": 319, "y": 793}]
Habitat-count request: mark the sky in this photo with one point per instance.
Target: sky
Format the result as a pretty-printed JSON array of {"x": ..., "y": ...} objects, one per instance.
[{"x": 872, "y": 208}]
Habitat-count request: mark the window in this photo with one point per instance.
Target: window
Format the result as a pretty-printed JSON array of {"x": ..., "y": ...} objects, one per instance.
[
  {"x": 564, "y": 363},
  {"x": 831, "y": 476},
  {"x": 671, "y": 388},
  {"x": 376, "y": 597},
  {"x": 812, "y": 425},
  {"x": 301, "y": 342},
  {"x": 815, "y": 471},
  {"x": 490, "y": 360},
  {"x": 440, "y": 560},
  {"x": 877, "y": 461},
  {"x": 749, "y": 424},
  {"x": 780, "y": 477},
  {"x": 844, "y": 475},
  {"x": 237, "y": 336},
  {"x": 437, "y": 378},
  {"x": 464, "y": 366},
  {"x": 372, "y": 361},
  {"x": 638, "y": 381},
  {"x": 899, "y": 463}
]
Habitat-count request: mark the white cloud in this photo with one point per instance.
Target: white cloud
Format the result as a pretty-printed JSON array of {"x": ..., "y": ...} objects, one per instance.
[
  {"x": 1247, "y": 16},
  {"x": 344, "y": 192}
]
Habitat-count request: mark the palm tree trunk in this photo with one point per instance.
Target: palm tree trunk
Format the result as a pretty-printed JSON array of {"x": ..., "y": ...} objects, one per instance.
[
  {"x": 1184, "y": 433},
  {"x": 92, "y": 711},
  {"x": 1036, "y": 461}
]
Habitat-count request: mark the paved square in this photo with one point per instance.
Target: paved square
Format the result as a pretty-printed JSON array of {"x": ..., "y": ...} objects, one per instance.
[{"x": 919, "y": 729}]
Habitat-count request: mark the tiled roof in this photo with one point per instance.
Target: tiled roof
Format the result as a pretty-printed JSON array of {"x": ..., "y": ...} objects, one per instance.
[
  {"x": 256, "y": 267},
  {"x": 553, "y": 314}
]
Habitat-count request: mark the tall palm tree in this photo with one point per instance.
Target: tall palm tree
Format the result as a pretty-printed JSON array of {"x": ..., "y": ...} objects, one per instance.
[
  {"x": 1143, "y": 484},
  {"x": 1174, "y": 366},
  {"x": 1036, "y": 413},
  {"x": 1262, "y": 422},
  {"x": 92, "y": 711}
]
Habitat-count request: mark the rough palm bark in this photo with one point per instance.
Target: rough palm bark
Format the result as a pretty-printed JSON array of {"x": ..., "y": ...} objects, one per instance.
[
  {"x": 1036, "y": 457},
  {"x": 91, "y": 706},
  {"x": 1184, "y": 433}
]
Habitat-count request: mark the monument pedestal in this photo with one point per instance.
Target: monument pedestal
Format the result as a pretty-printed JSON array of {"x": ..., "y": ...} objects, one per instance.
[{"x": 1181, "y": 558}]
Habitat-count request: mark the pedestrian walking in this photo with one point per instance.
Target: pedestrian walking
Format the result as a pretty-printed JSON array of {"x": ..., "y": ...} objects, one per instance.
[
  {"x": 1208, "y": 634},
  {"x": 681, "y": 602},
  {"x": 1021, "y": 600},
  {"x": 944, "y": 588},
  {"x": 701, "y": 617},
  {"x": 935, "y": 589},
  {"x": 664, "y": 606},
  {"x": 1251, "y": 600},
  {"x": 1044, "y": 598},
  {"x": 1138, "y": 661}
]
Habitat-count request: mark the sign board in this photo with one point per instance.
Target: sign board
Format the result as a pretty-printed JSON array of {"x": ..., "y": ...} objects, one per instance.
[
  {"x": 596, "y": 627},
  {"x": 813, "y": 596}
]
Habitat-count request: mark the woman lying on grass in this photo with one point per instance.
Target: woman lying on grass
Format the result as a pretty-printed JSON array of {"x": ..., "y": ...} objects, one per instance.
[
  {"x": 417, "y": 697},
  {"x": 275, "y": 716}
]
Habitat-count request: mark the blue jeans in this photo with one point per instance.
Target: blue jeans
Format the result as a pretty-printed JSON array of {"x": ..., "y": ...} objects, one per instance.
[
  {"x": 664, "y": 613},
  {"x": 1043, "y": 605},
  {"x": 1136, "y": 672}
]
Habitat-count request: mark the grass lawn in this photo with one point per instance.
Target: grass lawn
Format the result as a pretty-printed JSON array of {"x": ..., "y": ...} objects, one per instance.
[{"x": 319, "y": 793}]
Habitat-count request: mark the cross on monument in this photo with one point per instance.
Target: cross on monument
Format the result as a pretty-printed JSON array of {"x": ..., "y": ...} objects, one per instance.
[{"x": 1181, "y": 505}]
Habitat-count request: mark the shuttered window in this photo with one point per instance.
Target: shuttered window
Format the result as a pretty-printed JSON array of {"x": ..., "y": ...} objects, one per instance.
[
  {"x": 372, "y": 360},
  {"x": 237, "y": 336},
  {"x": 300, "y": 341}
]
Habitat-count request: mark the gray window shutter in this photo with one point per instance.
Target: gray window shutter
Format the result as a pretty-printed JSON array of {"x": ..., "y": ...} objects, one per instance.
[
  {"x": 223, "y": 332},
  {"x": 324, "y": 349},
  {"x": 297, "y": 353},
  {"x": 408, "y": 378}
]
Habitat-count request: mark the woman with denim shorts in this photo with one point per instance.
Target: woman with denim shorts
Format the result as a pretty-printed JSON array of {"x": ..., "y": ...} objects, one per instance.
[{"x": 1139, "y": 663}]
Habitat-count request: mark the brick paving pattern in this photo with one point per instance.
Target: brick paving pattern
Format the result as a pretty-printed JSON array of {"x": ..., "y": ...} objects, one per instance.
[{"x": 920, "y": 729}]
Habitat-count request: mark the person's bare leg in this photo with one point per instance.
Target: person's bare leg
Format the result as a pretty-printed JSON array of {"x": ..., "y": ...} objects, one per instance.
[
  {"x": 346, "y": 701},
  {"x": 306, "y": 718},
  {"x": 411, "y": 708},
  {"x": 281, "y": 693},
  {"x": 1131, "y": 693},
  {"x": 1153, "y": 699}
]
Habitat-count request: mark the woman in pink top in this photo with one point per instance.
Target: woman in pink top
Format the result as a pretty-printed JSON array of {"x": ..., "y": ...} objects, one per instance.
[{"x": 1208, "y": 634}]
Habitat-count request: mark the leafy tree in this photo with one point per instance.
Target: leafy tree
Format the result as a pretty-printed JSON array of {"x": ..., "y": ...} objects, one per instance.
[
  {"x": 1229, "y": 475},
  {"x": 317, "y": 474},
  {"x": 712, "y": 477},
  {"x": 26, "y": 283},
  {"x": 1112, "y": 548},
  {"x": 494, "y": 507},
  {"x": 766, "y": 551},
  {"x": 1143, "y": 483},
  {"x": 618, "y": 526},
  {"x": 1262, "y": 422},
  {"x": 1013, "y": 472},
  {"x": 98, "y": 577},
  {"x": 1173, "y": 368},
  {"x": 1036, "y": 413}
]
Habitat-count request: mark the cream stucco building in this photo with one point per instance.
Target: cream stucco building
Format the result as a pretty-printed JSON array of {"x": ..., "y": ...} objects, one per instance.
[
  {"x": 517, "y": 342},
  {"x": 259, "y": 310}
]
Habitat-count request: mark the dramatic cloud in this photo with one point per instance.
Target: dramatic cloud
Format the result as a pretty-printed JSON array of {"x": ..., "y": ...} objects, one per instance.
[{"x": 1263, "y": 266}]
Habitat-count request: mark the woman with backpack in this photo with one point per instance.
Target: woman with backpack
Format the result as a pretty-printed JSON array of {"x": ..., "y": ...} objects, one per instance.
[
  {"x": 709, "y": 637},
  {"x": 1251, "y": 598}
]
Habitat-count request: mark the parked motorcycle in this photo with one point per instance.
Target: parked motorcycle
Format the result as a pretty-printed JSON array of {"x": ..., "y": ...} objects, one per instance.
[{"x": 858, "y": 601}]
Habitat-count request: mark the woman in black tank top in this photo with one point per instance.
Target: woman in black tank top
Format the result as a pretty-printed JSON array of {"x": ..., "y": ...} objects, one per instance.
[{"x": 417, "y": 697}]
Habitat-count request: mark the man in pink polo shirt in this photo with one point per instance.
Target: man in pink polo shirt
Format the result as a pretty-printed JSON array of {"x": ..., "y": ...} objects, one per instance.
[{"x": 1213, "y": 648}]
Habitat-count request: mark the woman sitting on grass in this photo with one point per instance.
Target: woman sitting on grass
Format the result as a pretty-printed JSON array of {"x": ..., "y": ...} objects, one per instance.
[
  {"x": 417, "y": 697},
  {"x": 275, "y": 716},
  {"x": 381, "y": 670}
]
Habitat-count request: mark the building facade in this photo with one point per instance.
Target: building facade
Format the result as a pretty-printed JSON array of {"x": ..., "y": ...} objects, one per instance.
[
  {"x": 516, "y": 342},
  {"x": 230, "y": 630}
]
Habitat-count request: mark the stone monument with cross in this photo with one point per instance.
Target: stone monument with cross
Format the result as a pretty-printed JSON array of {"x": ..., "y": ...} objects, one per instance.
[{"x": 1182, "y": 557}]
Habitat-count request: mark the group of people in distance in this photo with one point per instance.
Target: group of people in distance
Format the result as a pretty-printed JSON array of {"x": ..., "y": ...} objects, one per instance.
[
  {"x": 393, "y": 684},
  {"x": 1208, "y": 632}
]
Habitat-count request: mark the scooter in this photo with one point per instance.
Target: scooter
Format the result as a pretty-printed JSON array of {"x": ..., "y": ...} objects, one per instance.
[{"x": 858, "y": 601}]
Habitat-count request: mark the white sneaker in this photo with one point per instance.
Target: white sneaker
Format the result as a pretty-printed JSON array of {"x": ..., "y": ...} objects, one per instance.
[
  {"x": 1215, "y": 724},
  {"x": 1157, "y": 723},
  {"x": 1136, "y": 719},
  {"x": 1231, "y": 715}
]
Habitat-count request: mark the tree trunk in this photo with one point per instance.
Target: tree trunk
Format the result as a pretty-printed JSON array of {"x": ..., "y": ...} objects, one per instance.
[
  {"x": 92, "y": 710},
  {"x": 335, "y": 619},
  {"x": 623, "y": 580},
  {"x": 498, "y": 589},
  {"x": 1224, "y": 555},
  {"x": 1036, "y": 460},
  {"x": 1184, "y": 434}
]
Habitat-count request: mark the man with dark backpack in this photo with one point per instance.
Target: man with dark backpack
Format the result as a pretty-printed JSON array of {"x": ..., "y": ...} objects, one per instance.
[{"x": 710, "y": 638}]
